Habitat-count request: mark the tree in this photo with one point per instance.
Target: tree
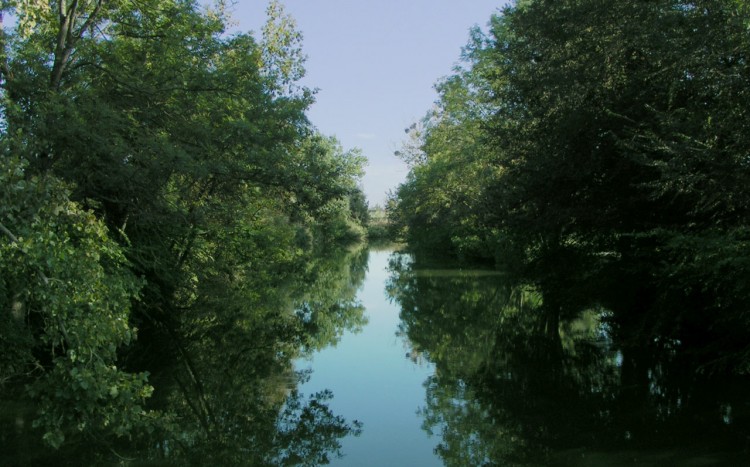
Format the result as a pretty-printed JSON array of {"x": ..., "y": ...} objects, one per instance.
[
  {"x": 441, "y": 204},
  {"x": 586, "y": 139},
  {"x": 189, "y": 154},
  {"x": 615, "y": 138},
  {"x": 70, "y": 292}
]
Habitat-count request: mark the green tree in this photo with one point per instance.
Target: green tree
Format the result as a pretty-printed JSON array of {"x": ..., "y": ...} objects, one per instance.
[
  {"x": 586, "y": 139},
  {"x": 68, "y": 291},
  {"x": 441, "y": 205},
  {"x": 617, "y": 136},
  {"x": 190, "y": 152}
]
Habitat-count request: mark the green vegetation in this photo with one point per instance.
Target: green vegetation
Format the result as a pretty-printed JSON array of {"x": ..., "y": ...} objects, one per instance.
[
  {"x": 378, "y": 227},
  {"x": 172, "y": 227},
  {"x": 161, "y": 196},
  {"x": 600, "y": 148}
]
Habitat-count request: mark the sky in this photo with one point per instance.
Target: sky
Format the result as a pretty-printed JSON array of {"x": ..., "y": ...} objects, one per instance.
[{"x": 374, "y": 64}]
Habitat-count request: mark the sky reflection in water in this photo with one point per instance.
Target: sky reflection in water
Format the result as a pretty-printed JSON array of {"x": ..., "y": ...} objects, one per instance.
[{"x": 375, "y": 382}]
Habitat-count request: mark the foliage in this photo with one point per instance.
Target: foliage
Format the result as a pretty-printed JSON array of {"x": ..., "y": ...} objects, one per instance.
[
  {"x": 161, "y": 174},
  {"x": 606, "y": 136},
  {"x": 449, "y": 169},
  {"x": 70, "y": 291},
  {"x": 378, "y": 226}
]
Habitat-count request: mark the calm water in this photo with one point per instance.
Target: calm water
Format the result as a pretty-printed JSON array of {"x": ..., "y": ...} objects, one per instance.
[
  {"x": 458, "y": 367},
  {"x": 374, "y": 381},
  {"x": 440, "y": 366}
]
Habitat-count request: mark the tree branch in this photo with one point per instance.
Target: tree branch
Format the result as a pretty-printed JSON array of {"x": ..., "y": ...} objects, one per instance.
[
  {"x": 3, "y": 229},
  {"x": 90, "y": 20},
  {"x": 68, "y": 37},
  {"x": 63, "y": 47}
]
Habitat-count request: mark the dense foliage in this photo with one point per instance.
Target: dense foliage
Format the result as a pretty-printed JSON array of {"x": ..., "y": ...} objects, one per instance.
[
  {"x": 601, "y": 144},
  {"x": 158, "y": 179}
]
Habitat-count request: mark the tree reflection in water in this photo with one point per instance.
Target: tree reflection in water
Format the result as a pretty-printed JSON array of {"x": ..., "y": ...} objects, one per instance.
[
  {"x": 226, "y": 388},
  {"x": 513, "y": 386}
]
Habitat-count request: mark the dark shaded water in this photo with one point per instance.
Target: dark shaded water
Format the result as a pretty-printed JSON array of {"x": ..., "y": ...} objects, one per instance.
[
  {"x": 509, "y": 390},
  {"x": 442, "y": 366}
]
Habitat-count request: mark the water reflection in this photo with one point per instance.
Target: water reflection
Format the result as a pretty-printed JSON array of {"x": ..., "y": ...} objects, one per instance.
[
  {"x": 516, "y": 385},
  {"x": 226, "y": 389}
]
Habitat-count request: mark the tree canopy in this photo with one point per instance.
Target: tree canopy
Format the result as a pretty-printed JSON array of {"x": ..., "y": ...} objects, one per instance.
[
  {"x": 157, "y": 175},
  {"x": 589, "y": 141}
]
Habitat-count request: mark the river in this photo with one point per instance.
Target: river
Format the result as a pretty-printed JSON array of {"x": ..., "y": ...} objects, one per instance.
[
  {"x": 374, "y": 381},
  {"x": 451, "y": 370},
  {"x": 373, "y": 357}
]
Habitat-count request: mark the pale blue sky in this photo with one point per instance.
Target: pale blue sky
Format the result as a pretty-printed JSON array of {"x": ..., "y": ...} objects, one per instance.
[{"x": 375, "y": 63}]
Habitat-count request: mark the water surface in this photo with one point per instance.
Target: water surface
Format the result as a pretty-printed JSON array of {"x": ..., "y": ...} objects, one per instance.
[
  {"x": 464, "y": 367},
  {"x": 375, "y": 382},
  {"x": 441, "y": 365}
]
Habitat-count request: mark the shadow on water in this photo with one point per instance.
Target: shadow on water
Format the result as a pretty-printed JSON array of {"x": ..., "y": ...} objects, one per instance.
[
  {"x": 226, "y": 389},
  {"x": 520, "y": 382}
]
